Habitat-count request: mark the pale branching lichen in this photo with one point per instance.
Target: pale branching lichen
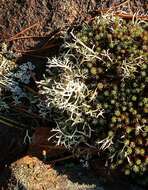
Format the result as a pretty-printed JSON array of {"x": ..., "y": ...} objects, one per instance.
[
  {"x": 14, "y": 80},
  {"x": 65, "y": 92}
]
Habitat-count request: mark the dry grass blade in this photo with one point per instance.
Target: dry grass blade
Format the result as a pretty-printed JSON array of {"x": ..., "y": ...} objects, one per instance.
[
  {"x": 9, "y": 123},
  {"x": 114, "y": 8},
  {"x": 23, "y": 31},
  {"x": 36, "y": 50},
  {"x": 26, "y": 37}
]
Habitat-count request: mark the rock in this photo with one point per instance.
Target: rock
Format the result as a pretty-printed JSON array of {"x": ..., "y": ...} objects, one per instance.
[{"x": 32, "y": 174}]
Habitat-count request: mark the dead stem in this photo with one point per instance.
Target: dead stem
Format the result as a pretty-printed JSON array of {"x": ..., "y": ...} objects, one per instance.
[
  {"x": 11, "y": 121},
  {"x": 26, "y": 37},
  {"x": 27, "y": 112},
  {"x": 9, "y": 124},
  {"x": 31, "y": 90},
  {"x": 48, "y": 147},
  {"x": 128, "y": 16},
  {"x": 72, "y": 156},
  {"x": 62, "y": 159},
  {"x": 114, "y": 6},
  {"x": 23, "y": 31},
  {"x": 121, "y": 14},
  {"x": 36, "y": 50}
]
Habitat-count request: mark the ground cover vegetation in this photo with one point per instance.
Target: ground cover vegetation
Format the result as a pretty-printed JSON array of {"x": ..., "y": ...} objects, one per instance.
[{"x": 95, "y": 90}]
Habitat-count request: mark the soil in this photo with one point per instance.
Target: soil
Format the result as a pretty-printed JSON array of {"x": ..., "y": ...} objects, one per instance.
[
  {"x": 11, "y": 145},
  {"x": 43, "y": 16},
  {"x": 30, "y": 173},
  {"x": 28, "y": 26}
]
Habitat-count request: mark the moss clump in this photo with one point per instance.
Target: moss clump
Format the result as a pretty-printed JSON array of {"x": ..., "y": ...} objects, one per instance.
[
  {"x": 122, "y": 45},
  {"x": 118, "y": 72}
]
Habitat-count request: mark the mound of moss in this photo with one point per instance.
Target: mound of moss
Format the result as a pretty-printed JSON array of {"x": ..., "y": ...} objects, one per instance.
[{"x": 118, "y": 72}]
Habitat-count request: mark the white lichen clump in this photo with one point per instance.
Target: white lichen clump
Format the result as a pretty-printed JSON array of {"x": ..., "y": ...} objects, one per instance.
[
  {"x": 7, "y": 58},
  {"x": 14, "y": 80},
  {"x": 64, "y": 91},
  {"x": 13, "y": 77}
]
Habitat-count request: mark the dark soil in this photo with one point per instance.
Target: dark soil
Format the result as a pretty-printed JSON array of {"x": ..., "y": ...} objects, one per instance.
[
  {"x": 11, "y": 144},
  {"x": 44, "y": 16}
]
